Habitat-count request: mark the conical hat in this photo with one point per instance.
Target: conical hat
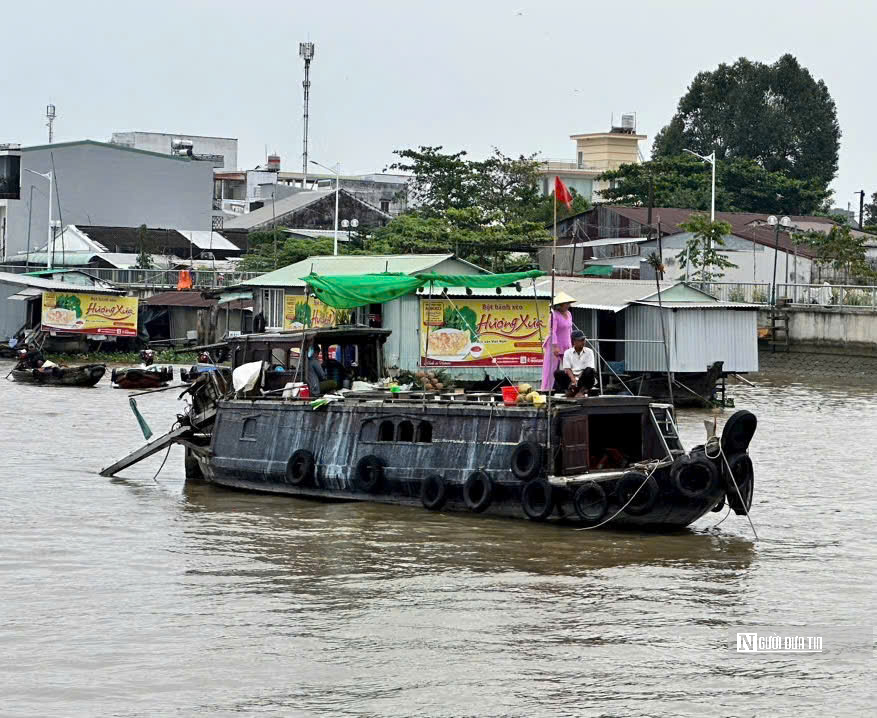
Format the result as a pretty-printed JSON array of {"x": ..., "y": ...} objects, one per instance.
[{"x": 563, "y": 298}]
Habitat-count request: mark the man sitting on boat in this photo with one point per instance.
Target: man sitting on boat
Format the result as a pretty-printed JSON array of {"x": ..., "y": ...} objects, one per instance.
[
  {"x": 577, "y": 373},
  {"x": 315, "y": 371}
]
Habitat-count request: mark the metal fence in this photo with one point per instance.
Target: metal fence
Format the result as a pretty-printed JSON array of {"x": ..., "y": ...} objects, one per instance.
[
  {"x": 840, "y": 295},
  {"x": 154, "y": 278}
]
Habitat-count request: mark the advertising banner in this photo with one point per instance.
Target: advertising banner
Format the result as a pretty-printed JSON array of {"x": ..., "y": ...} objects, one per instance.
[
  {"x": 311, "y": 313},
  {"x": 82, "y": 313},
  {"x": 482, "y": 332}
]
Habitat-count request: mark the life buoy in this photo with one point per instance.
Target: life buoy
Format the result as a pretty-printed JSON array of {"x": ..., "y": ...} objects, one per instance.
[
  {"x": 744, "y": 477},
  {"x": 478, "y": 492},
  {"x": 694, "y": 476},
  {"x": 300, "y": 468},
  {"x": 433, "y": 492},
  {"x": 527, "y": 460},
  {"x": 738, "y": 432},
  {"x": 369, "y": 473},
  {"x": 537, "y": 499},
  {"x": 643, "y": 491},
  {"x": 590, "y": 502}
]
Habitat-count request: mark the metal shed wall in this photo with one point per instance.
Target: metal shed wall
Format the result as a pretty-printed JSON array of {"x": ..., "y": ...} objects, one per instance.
[{"x": 697, "y": 337}]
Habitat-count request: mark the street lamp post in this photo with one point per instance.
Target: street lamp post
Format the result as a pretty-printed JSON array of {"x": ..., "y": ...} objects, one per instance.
[
  {"x": 348, "y": 225},
  {"x": 51, "y": 246},
  {"x": 337, "y": 173},
  {"x": 711, "y": 158},
  {"x": 785, "y": 222}
]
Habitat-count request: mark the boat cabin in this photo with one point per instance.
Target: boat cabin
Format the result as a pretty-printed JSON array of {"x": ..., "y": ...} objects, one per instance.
[{"x": 346, "y": 354}]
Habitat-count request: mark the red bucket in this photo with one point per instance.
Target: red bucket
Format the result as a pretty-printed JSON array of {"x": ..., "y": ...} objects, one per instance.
[
  {"x": 510, "y": 395},
  {"x": 304, "y": 393}
]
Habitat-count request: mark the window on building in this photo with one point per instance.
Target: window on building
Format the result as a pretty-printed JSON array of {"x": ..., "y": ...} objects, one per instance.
[
  {"x": 272, "y": 307},
  {"x": 385, "y": 206},
  {"x": 580, "y": 161}
]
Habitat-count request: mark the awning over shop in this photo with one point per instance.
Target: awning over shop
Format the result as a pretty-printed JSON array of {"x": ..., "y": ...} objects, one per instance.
[
  {"x": 29, "y": 293},
  {"x": 235, "y": 296},
  {"x": 598, "y": 270},
  {"x": 349, "y": 292}
]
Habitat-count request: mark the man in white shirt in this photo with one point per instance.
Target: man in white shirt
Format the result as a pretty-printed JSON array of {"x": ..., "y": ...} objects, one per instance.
[{"x": 577, "y": 373}]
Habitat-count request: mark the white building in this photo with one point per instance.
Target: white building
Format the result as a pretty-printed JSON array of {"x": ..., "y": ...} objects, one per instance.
[
  {"x": 223, "y": 151},
  {"x": 101, "y": 184}
]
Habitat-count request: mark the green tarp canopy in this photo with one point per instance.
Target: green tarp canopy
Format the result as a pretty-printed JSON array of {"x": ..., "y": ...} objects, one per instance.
[
  {"x": 598, "y": 270},
  {"x": 358, "y": 290}
]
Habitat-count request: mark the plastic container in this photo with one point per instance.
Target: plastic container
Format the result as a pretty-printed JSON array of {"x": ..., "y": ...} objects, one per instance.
[
  {"x": 304, "y": 393},
  {"x": 510, "y": 395}
]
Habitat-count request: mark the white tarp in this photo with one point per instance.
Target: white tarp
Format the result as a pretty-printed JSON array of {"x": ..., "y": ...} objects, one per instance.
[{"x": 246, "y": 376}]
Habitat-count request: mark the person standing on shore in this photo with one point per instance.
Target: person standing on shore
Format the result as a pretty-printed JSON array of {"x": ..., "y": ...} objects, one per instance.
[{"x": 558, "y": 340}]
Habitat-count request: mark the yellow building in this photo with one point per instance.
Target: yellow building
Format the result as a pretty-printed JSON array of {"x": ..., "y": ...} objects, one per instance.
[{"x": 596, "y": 152}]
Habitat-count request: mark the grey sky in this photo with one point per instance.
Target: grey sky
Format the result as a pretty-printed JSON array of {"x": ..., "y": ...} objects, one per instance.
[{"x": 388, "y": 75}]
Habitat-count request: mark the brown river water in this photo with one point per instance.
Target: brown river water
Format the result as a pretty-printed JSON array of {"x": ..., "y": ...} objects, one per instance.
[{"x": 142, "y": 597}]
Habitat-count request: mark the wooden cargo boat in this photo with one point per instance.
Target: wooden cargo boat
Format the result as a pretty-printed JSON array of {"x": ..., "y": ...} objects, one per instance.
[
  {"x": 598, "y": 461},
  {"x": 142, "y": 378},
  {"x": 84, "y": 375}
]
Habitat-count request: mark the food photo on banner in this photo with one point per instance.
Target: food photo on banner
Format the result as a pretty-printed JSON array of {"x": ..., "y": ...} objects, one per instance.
[
  {"x": 481, "y": 332},
  {"x": 82, "y": 313}
]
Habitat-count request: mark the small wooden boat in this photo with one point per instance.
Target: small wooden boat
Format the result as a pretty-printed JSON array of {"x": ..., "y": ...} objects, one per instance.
[
  {"x": 83, "y": 375},
  {"x": 196, "y": 370},
  {"x": 142, "y": 378}
]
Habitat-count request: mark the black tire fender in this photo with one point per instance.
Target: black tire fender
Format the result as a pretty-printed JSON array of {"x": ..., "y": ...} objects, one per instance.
[
  {"x": 694, "y": 476},
  {"x": 590, "y": 502},
  {"x": 300, "y": 468},
  {"x": 526, "y": 462},
  {"x": 433, "y": 492},
  {"x": 744, "y": 476},
  {"x": 645, "y": 497},
  {"x": 478, "y": 492},
  {"x": 537, "y": 499},
  {"x": 369, "y": 473},
  {"x": 738, "y": 432}
]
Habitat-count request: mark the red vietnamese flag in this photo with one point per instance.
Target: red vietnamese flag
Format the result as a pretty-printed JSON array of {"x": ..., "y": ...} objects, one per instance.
[{"x": 561, "y": 193}]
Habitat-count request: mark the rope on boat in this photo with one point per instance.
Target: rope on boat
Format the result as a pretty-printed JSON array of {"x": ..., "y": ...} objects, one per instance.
[
  {"x": 632, "y": 497},
  {"x": 715, "y": 526},
  {"x": 168, "y": 453},
  {"x": 706, "y": 450}
]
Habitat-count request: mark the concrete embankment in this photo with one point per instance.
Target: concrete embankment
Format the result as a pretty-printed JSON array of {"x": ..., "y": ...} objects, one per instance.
[{"x": 824, "y": 340}]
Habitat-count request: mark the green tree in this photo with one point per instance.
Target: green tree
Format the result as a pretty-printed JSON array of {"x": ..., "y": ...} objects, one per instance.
[
  {"x": 702, "y": 251},
  {"x": 870, "y": 218},
  {"x": 777, "y": 115},
  {"x": 741, "y": 186},
  {"x": 144, "y": 259},
  {"x": 273, "y": 248},
  {"x": 839, "y": 249},
  {"x": 440, "y": 180}
]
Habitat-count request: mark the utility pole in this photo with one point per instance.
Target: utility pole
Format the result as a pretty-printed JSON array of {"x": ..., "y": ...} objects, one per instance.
[
  {"x": 306, "y": 52},
  {"x": 861, "y": 194}
]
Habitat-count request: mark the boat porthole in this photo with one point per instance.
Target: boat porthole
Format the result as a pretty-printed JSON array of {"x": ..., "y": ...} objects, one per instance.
[
  {"x": 537, "y": 499},
  {"x": 590, "y": 502},
  {"x": 433, "y": 492},
  {"x": 478, "y": 492}
]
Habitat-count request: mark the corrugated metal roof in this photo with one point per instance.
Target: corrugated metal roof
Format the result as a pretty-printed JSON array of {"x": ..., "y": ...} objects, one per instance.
[
  {"x": 276, "y": 209},
  {"x": 179, "y": 299},
  {"x": 290, "y": 276},
  {"x": 22, "y": 280},
  {"x": 205, "y": 239},
  {"x": 607, "y": 294},
  {"x": 701, "y": 305}
]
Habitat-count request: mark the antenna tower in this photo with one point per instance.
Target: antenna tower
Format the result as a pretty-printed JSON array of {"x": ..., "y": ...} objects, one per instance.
[
  {"x": 306, "y": 52},
  {"x": 50, "y": 121}
]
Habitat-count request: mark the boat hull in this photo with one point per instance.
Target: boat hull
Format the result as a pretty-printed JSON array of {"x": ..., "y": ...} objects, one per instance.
[
  {"x": 252, "y": 443},
  {"x": 85, "y": 375},
  {"x": 141, "y": 378}
]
